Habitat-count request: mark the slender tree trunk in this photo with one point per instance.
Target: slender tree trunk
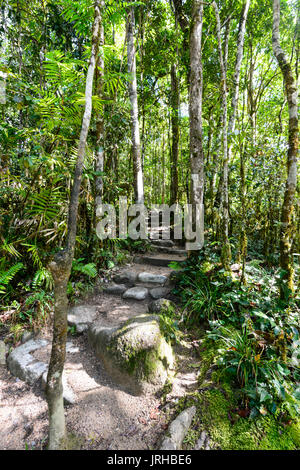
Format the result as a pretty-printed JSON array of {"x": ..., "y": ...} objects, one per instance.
[
  {"x": 195, "y": 108},
  {"x": 286, "y": 241},
  {"x": 61, "y": 269},
  {"x": 163, "y": 168},
  {"x": 99, "y": 163},
  {"x": 237, "y": 73},
  {"x": 175, "y": 135},
  {"x": 231, "y": 128},
  {"x": 135, "y": 130},
  {"x": 226, "y": 249}
]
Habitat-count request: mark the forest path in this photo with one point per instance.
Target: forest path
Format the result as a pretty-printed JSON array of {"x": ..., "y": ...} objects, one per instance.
[{"x": 104, "y": 415}]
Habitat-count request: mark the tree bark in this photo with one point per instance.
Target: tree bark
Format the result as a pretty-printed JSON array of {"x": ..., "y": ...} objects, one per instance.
[
  {"x": 195, "y": 106},
  {"x": 135, "y": 130},
  {"x": 237, "y": 73},
  {"x": 226, "y": 249},
  {"x": 175, "y": 135},
  {"x": 99, "y": 164},
  {"x": 231, "y": 128},
  {"x": 286, "y": 239},
  {"x": 61, "y": 269}
]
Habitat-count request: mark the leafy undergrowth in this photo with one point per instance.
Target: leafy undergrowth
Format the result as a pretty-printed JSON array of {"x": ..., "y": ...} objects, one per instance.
[
  {"x": 249, "y": 391},
  {"x": 26, "y": 290},
  {"x": 222, "y": 416}
]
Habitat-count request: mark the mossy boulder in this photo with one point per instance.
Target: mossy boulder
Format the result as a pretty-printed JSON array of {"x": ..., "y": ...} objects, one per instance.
[{"x": 135, "y": 354}]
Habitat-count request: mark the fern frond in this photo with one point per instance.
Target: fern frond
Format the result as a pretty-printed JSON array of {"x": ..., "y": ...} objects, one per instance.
[
  {"x": 89, "y": 269},
  {"x": 9, "y": 248},
  {"x": 43, "y": 277},
  {"x": 33, "y": 250},
  {"x": 6, "y": 277}
]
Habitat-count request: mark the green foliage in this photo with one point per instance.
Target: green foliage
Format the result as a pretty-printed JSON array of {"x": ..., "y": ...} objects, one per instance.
[
  {"x": 7, "y": 276},
  {"x": 256, "y": 332},
  {"x": 88, "y": 270},
  {"x": 43, "y": 277}
]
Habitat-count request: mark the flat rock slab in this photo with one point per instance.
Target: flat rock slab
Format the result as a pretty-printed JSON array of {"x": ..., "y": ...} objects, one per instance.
[
  {"x": 126, "y": 277},
  {"x": 178, "y": 430},
  {"x": 23, "y": 365},
  {"x": 159, "y": 292},
  {"x": 152, "y": 278},
  {"x": 115, "y": 289},
  {"x": 136, "y": 293},
  {"x": 82, "y": 317}
]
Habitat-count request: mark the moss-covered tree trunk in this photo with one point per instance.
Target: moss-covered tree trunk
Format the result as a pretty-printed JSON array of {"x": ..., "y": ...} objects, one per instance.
[
  {"x": 61, "y": 269},
  {"x": 287, "y": 229}
]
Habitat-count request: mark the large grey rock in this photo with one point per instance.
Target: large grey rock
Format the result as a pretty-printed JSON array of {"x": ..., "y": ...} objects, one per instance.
[
  {"x": 136, "y": 293},
  {"x": 159, "y": 292},
  {"x": 2, "y": 353},
  {"x": 178, "y": 430},
  {"x": 126, "y": 277},
  {"x": 115, "y": 288},
  {"x": 23, "y": 365},
  {"x": 161, "y": 306},
  {"x": 152, "y": 278},
  {"x": 81, "y": 317},
  {"x": 135, "y": 353},
  {"x": 68, "y": 394}
]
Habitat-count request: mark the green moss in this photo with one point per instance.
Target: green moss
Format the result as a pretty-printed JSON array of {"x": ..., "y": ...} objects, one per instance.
[
  {"x": 215, "y": 416},
  {"x": 135, "y": 359}
]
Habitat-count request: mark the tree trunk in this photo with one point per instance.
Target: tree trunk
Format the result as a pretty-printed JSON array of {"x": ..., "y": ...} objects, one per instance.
[
  {"x": 226, "y": 249},
  {"x": 237, "y": 73},
  {"x": 286, "y": 239},
  {"x": 61, "y": 269},
  {"x": 231, "y": 128},
  {"x": 135, "y": 130},
  {"x": 195, "y": 107},
  {"x": 175, "y": 135},
  {"x": 99, "y": 164}
]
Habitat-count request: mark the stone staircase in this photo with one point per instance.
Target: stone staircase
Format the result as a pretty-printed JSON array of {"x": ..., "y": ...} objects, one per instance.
[{"x": 127, "y": 297}]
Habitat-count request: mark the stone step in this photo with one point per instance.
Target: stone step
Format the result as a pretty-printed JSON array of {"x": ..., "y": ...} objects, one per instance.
[
  {"x": 163, "y": 243},
  {"x": 132, "y": 279},
  {"x": 151, "y": 278},
  {"x": 136, "y": 293},
  {"x": 171, "y": 251},
  {"x": 160, "y": 259},
  {"x": 115, "y": 289}
]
